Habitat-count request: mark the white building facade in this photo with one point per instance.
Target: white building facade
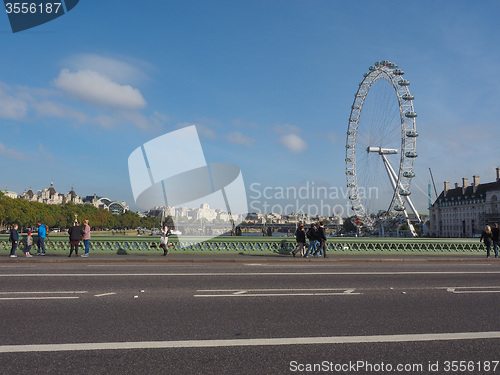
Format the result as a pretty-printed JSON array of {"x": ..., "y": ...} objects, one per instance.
[{"x": 465, "y": 210}]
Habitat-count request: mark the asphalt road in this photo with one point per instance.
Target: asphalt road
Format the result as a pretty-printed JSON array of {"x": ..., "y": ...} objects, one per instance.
[{"x": 250, "y": 318}]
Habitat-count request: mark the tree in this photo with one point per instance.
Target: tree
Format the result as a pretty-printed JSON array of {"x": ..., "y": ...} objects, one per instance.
[{"x": 348, "y": 226}]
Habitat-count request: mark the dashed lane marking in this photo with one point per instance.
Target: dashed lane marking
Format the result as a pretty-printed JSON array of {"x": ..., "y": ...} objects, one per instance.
[
  {"x": 274, "y": 292},
  {"x": 473, "y": 289},
  {"x": 104, "y": 294}
]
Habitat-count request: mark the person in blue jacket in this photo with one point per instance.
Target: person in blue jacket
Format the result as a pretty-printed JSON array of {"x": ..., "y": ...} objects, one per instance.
[
  {"x": 14, "y": 238},
  {"x": 42, "y": 234}
]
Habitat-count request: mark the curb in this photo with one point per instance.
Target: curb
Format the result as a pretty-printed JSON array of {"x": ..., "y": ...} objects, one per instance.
[{"x": 245, "y": 259}]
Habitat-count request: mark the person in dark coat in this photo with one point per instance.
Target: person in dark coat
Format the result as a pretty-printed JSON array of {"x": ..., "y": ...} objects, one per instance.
[
  {"x": 14, "y": 238},
  {"x": 495, "y": 233},
  {"x": 321, "y": 236},
  {"x": 75, "y": 235},
  {"x": 487, "y": 237},
  {"x": 300, "y": 237},
  {"x": 311, "y": 235}
]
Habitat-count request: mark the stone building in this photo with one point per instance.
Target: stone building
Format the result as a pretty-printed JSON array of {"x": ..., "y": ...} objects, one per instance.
[
  {"x": 464, "y": 211},
  {"x": 51, "y": 196}
]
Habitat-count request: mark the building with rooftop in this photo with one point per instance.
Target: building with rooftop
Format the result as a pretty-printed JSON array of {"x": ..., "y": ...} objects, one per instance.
[
  {"x": 464, "y": 210},
  {"x": 51, "y": 196}
]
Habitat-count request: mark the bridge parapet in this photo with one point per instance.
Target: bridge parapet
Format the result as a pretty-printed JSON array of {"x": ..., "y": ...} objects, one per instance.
[{"x": 253, "y": 245}]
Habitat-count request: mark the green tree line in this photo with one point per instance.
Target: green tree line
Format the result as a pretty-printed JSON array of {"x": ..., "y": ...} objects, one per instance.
[{"x": 26, "y": 214}]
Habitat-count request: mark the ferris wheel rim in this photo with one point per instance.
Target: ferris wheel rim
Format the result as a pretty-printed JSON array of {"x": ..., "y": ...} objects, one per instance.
[{"x": 390, "y": 72}]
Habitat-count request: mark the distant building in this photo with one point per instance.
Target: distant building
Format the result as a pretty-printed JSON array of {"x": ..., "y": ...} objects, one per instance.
[
  {"x": 106, "y": 204},
  {"x": 464, "y": 211},
  {"x": 51, "y": 196},
  {"x": 9, "y": 194},
  {"x": 184, "y": 213}
]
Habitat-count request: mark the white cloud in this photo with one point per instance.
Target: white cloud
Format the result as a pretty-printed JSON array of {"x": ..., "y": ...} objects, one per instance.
[
  {"x": 96, "y": 88},
  {"x": 122, "y": 70},
  {"x": 290, "y": 138},
  {"x": 245, "y": 124},
  {"x": 332, "y": 137},
  {"x": 12, "y": 107},
  {"x": 293, "y": 143},
  {"x": 240, "y": 139},
  {"x": 287, "y": 129},
  {"x": 45, "y": 153},
  {"x": 48, "y": 108},
  {"x": 10, "y": 153}
]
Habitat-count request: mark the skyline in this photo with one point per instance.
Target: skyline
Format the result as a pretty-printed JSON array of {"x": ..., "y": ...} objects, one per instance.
[{"x": 269, "y": 86}]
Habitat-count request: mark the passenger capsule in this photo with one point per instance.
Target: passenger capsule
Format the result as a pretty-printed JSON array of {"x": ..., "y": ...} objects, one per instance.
[
  {"x": 403, "y": 82},
  {"x": 411, "y": 133},
  {"x": 399, "y": 208},
  {"x": 411, "y": 114},
  {"x": 409, "y": 174},
  {"x": 399, "y": 72},
  {"x": 408, "y": 97},
  {"x": 404, "y": 192},
  {"x": 411, "y": 154}
]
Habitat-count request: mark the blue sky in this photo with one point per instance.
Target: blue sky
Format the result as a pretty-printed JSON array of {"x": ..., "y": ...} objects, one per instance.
[{"x": 268, "y": 83}]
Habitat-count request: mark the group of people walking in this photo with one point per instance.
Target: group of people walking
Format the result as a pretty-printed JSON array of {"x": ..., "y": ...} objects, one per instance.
[
  {"x": 14, "y": 239},
  {"x": 76, "y": 233},
  {"x": 316, "y": 235}
]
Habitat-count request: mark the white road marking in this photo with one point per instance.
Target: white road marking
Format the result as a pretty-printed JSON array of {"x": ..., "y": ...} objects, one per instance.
[
  {"x": 277, "y": 292},
  {"x": 35, "y": 298},
  {"x": 104, "y": 294},
  {"x": 250, "y": 342},
  {"x": 36, "y": 295},
  {"x": 473, "y": 289},
  {"x": 54, "y": 292},
  {"x": 239, "y": 274}
]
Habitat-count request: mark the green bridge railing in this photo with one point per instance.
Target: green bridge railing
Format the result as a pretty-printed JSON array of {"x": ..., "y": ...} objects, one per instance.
[{"x": 120, "y": 244}]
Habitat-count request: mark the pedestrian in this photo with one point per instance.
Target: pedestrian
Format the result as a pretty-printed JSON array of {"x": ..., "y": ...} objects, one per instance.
[
  {"x": 165, "y": 232},
  {"x": 86, "y": 238},
  {"x": 495, "y": 233},
  {"x": 29, "y": 243},
  {"x": 75, "y": 236},
  {"x": 486, "y": 236},
  {"x": 300, "y": 237},
  {"x": 14, "y": 239},
  {"x": 322, "y": 239},
  {"x": 42, "y": 234},
  {"x": 311, "y": 235}
]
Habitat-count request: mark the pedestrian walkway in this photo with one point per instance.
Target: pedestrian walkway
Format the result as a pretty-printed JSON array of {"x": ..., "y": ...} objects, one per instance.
[{"x": 247, "y": 258}]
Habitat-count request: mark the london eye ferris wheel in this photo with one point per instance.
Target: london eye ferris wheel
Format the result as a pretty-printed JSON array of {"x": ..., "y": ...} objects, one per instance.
[{"x": 381, "y": 146}]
